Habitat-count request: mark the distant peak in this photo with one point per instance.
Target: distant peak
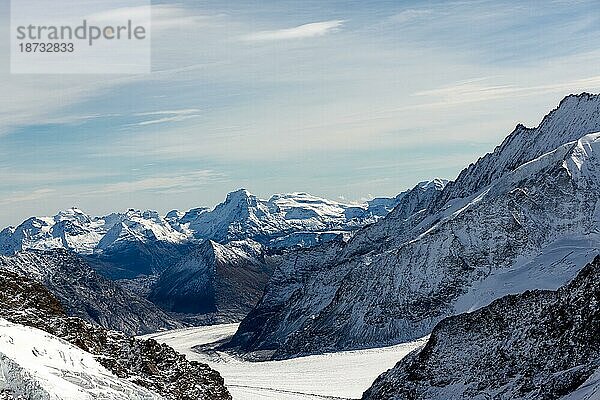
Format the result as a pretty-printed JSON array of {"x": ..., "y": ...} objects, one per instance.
[
  {"x": 174, "y": 214},
  {"x": 522, "y": 127},
  {"x": 239, "y": 195},
  {"x": 437, "y": 183}
]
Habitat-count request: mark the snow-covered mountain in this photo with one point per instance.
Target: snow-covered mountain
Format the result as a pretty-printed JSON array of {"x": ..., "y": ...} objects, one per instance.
[
  {"x": 526, "y": 216},
  {"x": 224, "y": 280},
  {"x": 85, "y": 294},
  {"x": 535, "y": 345},
  {"x": 244, "y": 216},
  {"x": 72, "y": 359},
  {"x": 84, "y": 234},
  {"x": 124, "y": 245}
]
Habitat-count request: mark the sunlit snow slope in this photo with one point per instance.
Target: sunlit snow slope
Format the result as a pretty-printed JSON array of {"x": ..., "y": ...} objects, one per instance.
[{"x": 39, "y": 366}]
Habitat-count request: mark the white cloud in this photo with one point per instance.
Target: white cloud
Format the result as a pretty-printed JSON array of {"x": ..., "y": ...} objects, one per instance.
[
  {"x": 169, "y": 112},
  {"x": 177, "y": 118},
  {"x": 298, "y": 32}
]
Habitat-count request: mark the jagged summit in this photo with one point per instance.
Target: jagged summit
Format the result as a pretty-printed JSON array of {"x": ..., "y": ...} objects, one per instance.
[
  {"x": 437, "y": 183},
  {"x": 576, "y": 116},
  {"x": 240, "y": 194}
]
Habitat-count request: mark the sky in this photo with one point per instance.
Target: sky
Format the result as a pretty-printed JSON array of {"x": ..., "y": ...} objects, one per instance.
[{"x": 342, "y": 99}]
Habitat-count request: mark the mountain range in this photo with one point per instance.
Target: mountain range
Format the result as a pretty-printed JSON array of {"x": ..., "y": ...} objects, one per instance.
[
  {"x": 133, "y": 243},
  {"x": 523, "y": 217},
  {"x": 500, "y": 267}
]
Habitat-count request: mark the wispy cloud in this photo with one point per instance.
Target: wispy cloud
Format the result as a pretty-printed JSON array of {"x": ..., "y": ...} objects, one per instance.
[
  {"x": 299, "y": 32},
  {"x": 477, "y": 90},
  {"x": 167, "y": 116},
  {"x": 20, "y": 197},
  {"x": 409, "y": 15},
  {"x": 160, "y": 16}
]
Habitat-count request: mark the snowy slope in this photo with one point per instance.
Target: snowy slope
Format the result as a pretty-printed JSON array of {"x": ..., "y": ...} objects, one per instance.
[
  {"x": 532, "y": 226},
  {"x": 343, "y": 375},
  {"x": 535, "y": 345},
  {"x": 40, "y": 366},
  {"x": 145, "y": 363}
]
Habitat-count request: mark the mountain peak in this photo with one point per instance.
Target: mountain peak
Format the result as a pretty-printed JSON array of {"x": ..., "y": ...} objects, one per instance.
[
  {"x": 437, "y": 183},
  {"x": 575, "y": 117},
  {"x": 240, "y": 193}
]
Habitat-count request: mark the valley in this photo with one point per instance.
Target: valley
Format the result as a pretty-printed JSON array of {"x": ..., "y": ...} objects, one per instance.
[{"x": 342, "y": 375}]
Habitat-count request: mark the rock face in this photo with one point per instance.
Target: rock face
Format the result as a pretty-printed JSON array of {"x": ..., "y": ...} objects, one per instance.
[
  {"x": 126, "y": 245},
  {"x": 224, "y": 280},
  {"x": 85, "y": 294},
  {"x": 524, "y": 217},
  {"x": 536, "y": 345},
  {"x": 143, "y": 367}
]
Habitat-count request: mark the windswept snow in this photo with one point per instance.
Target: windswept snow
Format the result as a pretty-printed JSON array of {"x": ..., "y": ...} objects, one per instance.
[
  {"x": 343, "y": 375},
  {"x": 38, "y": 366}
]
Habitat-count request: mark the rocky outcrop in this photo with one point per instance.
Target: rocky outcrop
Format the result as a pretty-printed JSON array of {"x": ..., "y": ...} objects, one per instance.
[
  {"x": 145, "y": 363},
  {"x": 535, "y": 345}
]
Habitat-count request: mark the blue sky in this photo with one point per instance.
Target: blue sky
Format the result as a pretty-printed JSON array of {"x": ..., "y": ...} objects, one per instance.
[{"x": 348, "y": 99}]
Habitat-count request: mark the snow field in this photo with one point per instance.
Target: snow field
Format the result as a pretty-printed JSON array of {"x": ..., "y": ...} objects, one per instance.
[{"x": 342, "y": 375}]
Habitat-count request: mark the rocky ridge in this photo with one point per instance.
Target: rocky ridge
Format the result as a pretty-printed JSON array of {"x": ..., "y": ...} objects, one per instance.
[
  {"x": 145, "y": 363},
  {"x": 535, "y": 345}
]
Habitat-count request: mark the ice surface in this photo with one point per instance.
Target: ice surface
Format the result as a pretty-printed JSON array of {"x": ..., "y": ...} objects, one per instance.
[{"x": 343, "y": 375}]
